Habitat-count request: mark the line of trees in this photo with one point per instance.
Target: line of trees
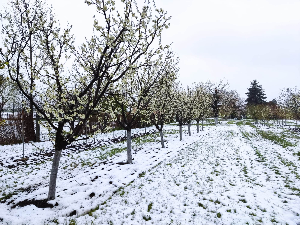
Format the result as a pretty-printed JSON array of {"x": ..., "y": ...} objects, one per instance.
[
  {"x": 122, "y": 73},
  {"x": 286, "y": 106},
  {"x": 125, "y": 42}
]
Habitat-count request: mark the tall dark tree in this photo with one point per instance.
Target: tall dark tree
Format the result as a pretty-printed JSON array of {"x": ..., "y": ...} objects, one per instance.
[{"x": 255, "y": 94}]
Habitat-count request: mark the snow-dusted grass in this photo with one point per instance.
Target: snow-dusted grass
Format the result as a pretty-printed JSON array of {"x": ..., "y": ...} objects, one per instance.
[{"x": 226, "y": 174}]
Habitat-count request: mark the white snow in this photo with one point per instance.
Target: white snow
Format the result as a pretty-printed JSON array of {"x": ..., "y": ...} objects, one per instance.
[{"x": 218, "y": 176}]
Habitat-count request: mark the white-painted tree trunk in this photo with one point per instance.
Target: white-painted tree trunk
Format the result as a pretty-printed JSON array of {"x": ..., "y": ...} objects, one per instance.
[
  {"x": 53, "y": 175},
  {"x": 162, "y": 139},
  {"x": 216, "y": 120},
  {"x": 202, "y": 124},
  {"x": 129, "y": 156}
]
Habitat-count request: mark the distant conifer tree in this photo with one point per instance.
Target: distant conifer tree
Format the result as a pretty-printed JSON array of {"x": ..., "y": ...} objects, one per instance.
[{"x": 255, "y": 94}]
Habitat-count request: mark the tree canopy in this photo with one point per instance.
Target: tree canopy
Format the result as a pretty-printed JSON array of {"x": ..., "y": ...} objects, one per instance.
[
  {"x": 36, "y": 49},
  {"x": 255, "y": 94}
]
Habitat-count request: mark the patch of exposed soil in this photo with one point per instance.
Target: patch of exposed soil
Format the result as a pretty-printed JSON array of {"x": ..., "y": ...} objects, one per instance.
[{"x": 43, "y": 203}]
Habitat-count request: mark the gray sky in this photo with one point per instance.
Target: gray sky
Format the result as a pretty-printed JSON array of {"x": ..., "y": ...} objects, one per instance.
[
  {"x": 238, "y": 40},
  {"x": 234, "y": 40}
]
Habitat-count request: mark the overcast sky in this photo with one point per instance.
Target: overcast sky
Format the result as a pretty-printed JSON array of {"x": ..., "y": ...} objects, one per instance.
[{"x": 234, "y": 40}]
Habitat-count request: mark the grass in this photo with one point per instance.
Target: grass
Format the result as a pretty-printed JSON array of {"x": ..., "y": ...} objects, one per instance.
[
  {"x": 217, "y": 202},
  {"x": 138, "y": 141},
  {"x": 243, "y": 200},
  {"x": 172, "y": 131},
  {"x": 290, "y": 134},
  {"x": 7, "y": 196},
  {"x": 145, "y": 139},
  {"x": 150, "y": 206},
  {"x": 250, "y": 124},
  {"x": 297, "y": 154},
  {"x": 275, "y": 138},
  {"x": 146, "y": 217},
  {"x": 111, "y": 153},
  {"x": 240, "y": 123},
  {"x": 246, "y": 134},
  {"x": 245, "y": 170},
  {"x": 261, "y": 158},
  {"x": 72, "y": 222},
  {"x": 90, "y": 213},
  {"x": 122, "y": 192},
  {"x": 201, "y": 205},
  {"x": 142, "y": 174},
  {"x": 231, "y": 122}
]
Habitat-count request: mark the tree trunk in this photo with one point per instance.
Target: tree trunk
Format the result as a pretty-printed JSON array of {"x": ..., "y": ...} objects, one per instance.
[
  {"x": 13, "y": 109},
  {"x": 162, "y": 138},
  {"x": 38, "y": 130},
  {"x": 23, "y": 135},
  {"x": 129, "y": 156},
  {"x": 197, "y": 126},
  {"x": 32, "y": 136},
  {"x": 216, "y": 120},
  {"x": 53, "y": 176},
  {"x": 202, "y": 124},
  {"x": 189, "y": 129},
  {"x": 180, "y": 132},
  {"x": 60, "y": 144}
]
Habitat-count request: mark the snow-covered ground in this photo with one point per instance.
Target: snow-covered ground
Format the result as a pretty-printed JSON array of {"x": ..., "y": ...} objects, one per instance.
[{"x": 226, "y": 174}]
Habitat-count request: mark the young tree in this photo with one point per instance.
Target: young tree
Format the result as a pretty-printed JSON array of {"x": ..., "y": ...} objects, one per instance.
[
  {"x": 230, "y": 104},
  {"x": 218, "y": 92},
  {"x": 113, "y": 51},
  {"x": 190, "y": 105},
  {"x": 253, "y": 111},
  {"x": 289, "y": 100},
  {"x": 161, "y": 104},
  {"x": 133, "y": 93},
  {"x": 21, "y": 26},
  {"x": 181, "y": 112},
  {"x": 203, "y": 99},
  {"x": 255, "y": 94},
  {"x": 259, "y": 112},
  {"x": 273, "y": 106}
]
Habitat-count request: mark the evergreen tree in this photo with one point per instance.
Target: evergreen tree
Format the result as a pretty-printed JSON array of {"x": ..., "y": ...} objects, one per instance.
[{"x": 255, "y": 94}]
